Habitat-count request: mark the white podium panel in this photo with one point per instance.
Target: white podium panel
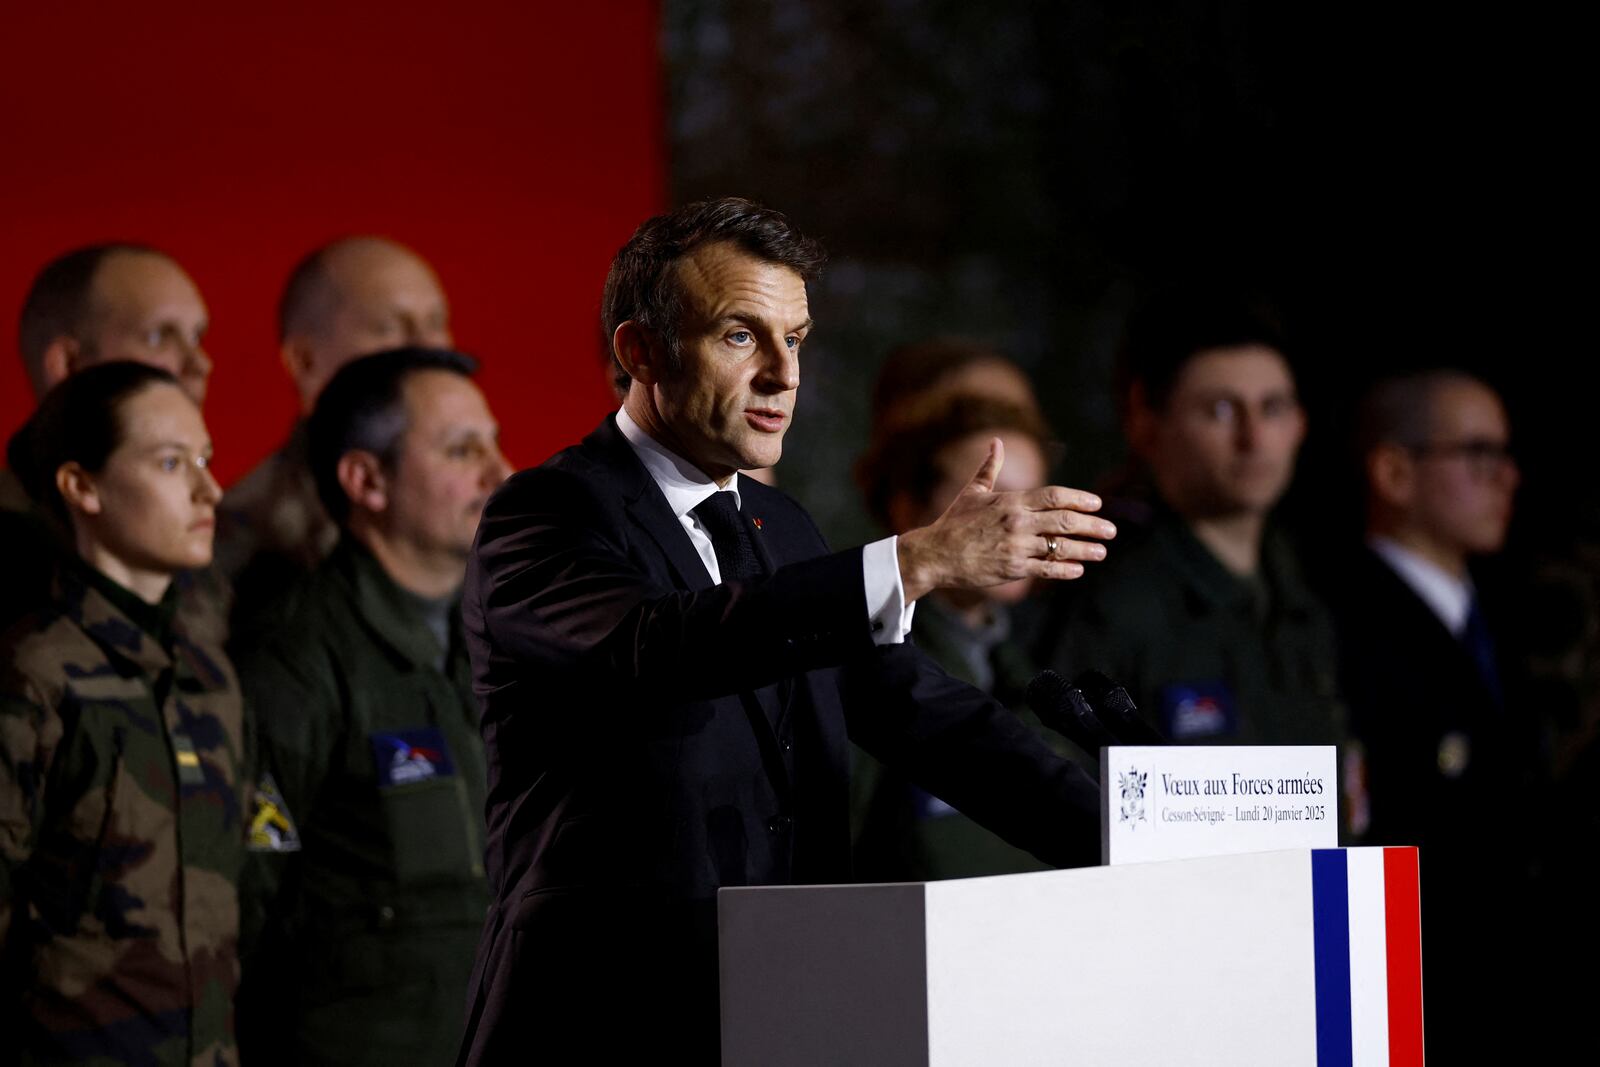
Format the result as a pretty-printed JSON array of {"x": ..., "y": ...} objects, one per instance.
[{"x": 1300, "y": 957}]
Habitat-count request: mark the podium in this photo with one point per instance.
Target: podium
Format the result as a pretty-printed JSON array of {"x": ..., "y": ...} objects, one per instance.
[{"x": 1308, "y": 956}]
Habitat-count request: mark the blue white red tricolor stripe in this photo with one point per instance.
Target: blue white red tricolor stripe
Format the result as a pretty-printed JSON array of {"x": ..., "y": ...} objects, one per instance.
[{"x": 1368, "y": 938}]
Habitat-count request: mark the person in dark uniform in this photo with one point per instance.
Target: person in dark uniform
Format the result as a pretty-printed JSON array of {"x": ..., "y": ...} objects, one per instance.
[
  {"x": 1448, "y": 756},
  {"x": 363, "y": 929},
  {"x": 909, "y": 475},
  {"x": 122, "y": 746},
  {"x": 1203, "y": 614}
]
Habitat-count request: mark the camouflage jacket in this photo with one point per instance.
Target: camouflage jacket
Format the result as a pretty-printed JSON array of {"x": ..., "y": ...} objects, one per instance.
[{"x": 121, "y": 839}]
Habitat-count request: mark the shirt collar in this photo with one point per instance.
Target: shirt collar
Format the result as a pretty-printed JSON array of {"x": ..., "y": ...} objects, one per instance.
[
  {"x": 1448, "y": 597},
  {"x": 683, "y": 484}
]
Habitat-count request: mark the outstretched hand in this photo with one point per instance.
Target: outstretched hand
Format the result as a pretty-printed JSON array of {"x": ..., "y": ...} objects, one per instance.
[{"x": 986, "y": 538}]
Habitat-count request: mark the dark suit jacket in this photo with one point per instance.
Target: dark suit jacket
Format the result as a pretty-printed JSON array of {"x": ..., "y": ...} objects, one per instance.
[
  {"x": 1451, "y": 771},
  {"x": 652, "y": 737},
  {"x": 1439, "y": 750}
]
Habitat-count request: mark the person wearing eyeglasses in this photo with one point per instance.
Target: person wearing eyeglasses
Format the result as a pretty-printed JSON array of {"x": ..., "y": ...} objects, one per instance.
[
  {"x": 1204, "y": 613},
  {"x": 122, "y": 751},
  {"x": 1445, "y": 756}
]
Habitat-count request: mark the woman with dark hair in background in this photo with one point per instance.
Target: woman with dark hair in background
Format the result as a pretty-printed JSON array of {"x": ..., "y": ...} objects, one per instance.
[
  {"x": 921, "y": 456},
  {"x": 121, "y": 744}
]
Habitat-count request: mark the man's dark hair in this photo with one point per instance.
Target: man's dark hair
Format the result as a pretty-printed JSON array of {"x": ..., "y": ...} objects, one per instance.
[
  {"x": 904, "y": 460},
  {"x": 1399, "y": 410},
  {"x": 79, "y": 421},
  {"x": 643, "y": 283},
  {"x": 1170, "y": 328},
  {"x": 363, "y": 408},
  {"x": 58, "y": 302}
]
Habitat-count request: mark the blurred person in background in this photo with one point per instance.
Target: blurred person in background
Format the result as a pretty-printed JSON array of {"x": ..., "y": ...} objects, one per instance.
[
  {"x": 369, "y": 729},
  {"x": 909, "y": 477},
  {"x": 121, "y": 745},
  {"x": 1448, "y": 757},
  {"x": 919, "y": 378},
  {"x": 99, "y": 304},
  {"x": 109, "y": 302},
  {"x": 1203, "y": 612},
  {"x": 350, "y": 298}
]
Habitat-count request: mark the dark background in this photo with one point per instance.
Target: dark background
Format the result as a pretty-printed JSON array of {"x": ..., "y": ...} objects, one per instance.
[{"x": 1402, "y": 184}]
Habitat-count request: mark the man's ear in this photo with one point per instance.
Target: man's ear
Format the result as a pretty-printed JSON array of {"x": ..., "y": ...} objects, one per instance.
[
  {"x": 60, "y": 361},
  {"x": 640, "y": 352},
  {"x": 363, "y": 481},
  {"x": 1392, "y": 475},
  {"x": 78, "y": 489}
]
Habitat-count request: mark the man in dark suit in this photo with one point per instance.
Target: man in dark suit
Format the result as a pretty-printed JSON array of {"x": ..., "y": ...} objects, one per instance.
[
  {"x": 1445, "y": 757},
  {"x": 671, "y": 660}
]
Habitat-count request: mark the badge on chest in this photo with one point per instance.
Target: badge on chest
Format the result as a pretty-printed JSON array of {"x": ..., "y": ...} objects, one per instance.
[
  {"x": 1199, "y": 709},
  {"x": 404, "y": 757}
]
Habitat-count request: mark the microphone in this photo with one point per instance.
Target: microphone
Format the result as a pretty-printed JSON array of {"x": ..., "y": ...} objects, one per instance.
[
  {"x": 1116, "y": 709},
  {"x": 1064, "y": 709}
]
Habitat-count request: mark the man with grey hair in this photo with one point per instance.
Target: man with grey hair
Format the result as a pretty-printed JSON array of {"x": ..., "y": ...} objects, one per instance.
[
  {"x": 1442, "y": 750},
  {"x": 350, "y": 298}
]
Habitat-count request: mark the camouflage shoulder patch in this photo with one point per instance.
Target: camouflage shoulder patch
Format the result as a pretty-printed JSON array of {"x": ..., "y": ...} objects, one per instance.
[{"x": 272, "y": 828}]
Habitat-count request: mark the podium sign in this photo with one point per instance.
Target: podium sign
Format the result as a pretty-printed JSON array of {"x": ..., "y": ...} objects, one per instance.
[{"x": 1181, "y": 802}]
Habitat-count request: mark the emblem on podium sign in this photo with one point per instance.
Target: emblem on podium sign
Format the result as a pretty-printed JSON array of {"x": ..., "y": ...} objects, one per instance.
[{"x": 1131, "y": 783}]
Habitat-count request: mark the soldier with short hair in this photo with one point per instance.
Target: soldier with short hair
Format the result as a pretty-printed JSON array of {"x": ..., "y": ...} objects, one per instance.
[
  {"x": 1206, "y": 614},
  {"x": 363, "y": 695},
  {"x": 121, "y": 746},
  {"x": 349, "y": 298}
]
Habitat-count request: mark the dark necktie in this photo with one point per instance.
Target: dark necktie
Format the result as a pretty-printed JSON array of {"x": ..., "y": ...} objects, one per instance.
[
  {"x": 730, "y": 537},
  {"x": 1480, "y": 645}
]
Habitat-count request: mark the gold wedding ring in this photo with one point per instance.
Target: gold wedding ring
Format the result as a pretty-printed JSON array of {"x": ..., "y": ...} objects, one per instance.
[{"x": 1049, "y": 548}]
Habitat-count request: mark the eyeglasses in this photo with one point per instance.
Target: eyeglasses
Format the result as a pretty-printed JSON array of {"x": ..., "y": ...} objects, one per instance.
[{"x": 1485, "y": 458}]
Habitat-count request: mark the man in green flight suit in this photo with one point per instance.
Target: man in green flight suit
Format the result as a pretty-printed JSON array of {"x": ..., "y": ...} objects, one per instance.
[
  {"x": 365, "y": 921},
  {"x": 1203, "y": 613}
]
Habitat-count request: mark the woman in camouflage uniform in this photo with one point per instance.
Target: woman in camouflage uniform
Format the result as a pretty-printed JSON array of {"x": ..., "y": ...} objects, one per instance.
[{"x": 120, "y": 747}]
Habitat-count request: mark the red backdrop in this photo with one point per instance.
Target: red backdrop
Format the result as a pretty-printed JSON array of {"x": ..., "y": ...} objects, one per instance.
[{"x": 514, "y": 145}]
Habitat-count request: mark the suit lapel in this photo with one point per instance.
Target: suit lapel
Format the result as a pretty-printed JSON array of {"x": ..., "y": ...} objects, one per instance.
[{"x": 647, "y": 507}]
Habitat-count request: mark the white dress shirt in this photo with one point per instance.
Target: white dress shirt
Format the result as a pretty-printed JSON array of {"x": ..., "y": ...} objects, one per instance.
[
  {"x": 685, "y": 486},
  {"x": 1449, "y": 597}
]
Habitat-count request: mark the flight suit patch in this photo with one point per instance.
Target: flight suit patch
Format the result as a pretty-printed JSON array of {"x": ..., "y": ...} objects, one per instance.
[
  {"x": 272, "y": 828},
  {"x": 1199, "y": 709},
  {"x": 403, "y": 757}
]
